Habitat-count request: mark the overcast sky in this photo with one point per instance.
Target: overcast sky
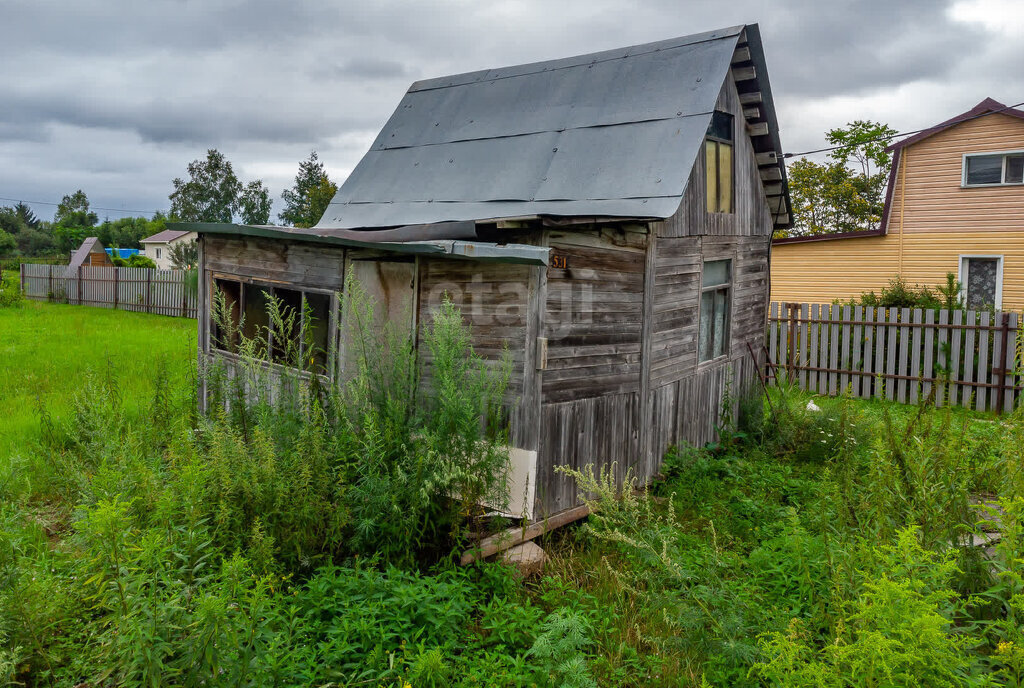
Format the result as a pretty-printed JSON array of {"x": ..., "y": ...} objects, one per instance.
[{"x": 116, "y": 98}]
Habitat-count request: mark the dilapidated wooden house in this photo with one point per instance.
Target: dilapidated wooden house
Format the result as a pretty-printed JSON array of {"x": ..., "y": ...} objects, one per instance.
[{"x": 606, "y": 217}]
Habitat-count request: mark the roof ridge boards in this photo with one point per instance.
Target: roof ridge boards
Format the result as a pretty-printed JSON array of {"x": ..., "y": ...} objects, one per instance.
[
  {"x": 602, "y": 125},
  {"x": 706, "y": 37}
]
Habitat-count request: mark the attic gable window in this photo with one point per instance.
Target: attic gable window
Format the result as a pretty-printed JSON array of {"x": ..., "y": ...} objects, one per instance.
[
  {"x": 718, "y": 153},
  {"x": 994, "y": 169}
]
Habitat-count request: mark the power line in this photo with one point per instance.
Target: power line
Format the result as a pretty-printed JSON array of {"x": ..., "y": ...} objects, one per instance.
[
  {"x": 112, "y": 210},
  {"x": 889, "y": 137}
]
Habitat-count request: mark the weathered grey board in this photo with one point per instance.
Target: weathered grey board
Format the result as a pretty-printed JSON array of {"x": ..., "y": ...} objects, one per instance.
[{"x": 902, "y": 354}]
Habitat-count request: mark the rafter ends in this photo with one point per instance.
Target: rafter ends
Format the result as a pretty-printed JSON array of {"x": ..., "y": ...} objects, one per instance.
[
  {"x": 743, "y": 73},
  {"x": 741, "y": 55},
  {"x": 769, "y": 158},
  {"x": 773, "y": 189},
  {"x": 771, "y": 174},
  {"x": 752, "y": 112},
  {"x": 760, "y": 129},
  {"x": 750, "y": 98},
  {"x": 781, "y": 219}
]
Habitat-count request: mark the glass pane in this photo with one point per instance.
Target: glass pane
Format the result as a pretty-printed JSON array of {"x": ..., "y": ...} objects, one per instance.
[
  {"x": 231, "y": 312},
  {"x": 256, "y": 322},
  {"x": 285, "y": 341},
  {"x": 1014, "y": 169},
  {"x": 721, "y": 321},
  {"x": 707, "y": 307},
  {"x": 716, "y": 272},
  {"x": 711, "y": 174},
  {"x": 724, "y": 178},
  {"x": 721, "y": 126},
  {"x": 981, "y": 282},
  {"x": 318, "y": 327},
  {"x": 984, "y": 169}
]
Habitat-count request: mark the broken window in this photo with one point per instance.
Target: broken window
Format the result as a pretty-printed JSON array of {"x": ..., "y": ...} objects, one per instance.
[{"x": 295, "y": 333}]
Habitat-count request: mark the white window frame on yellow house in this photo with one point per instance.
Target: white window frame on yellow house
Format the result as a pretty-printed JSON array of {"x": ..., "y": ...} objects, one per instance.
[
  {"x": 1005, "y": 155},
  {"x": 963, "y": 270}
]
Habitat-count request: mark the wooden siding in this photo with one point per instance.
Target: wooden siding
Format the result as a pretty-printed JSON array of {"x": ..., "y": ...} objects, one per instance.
[
  {"x": 304, "y": 264},
  {"x": 823, "y": 271},
  {"x": 594, "y": 314},
  {"x": 936, "y": 202},
  {"x": 929, "y": 227},
  {"x": 751, "y": 215}
]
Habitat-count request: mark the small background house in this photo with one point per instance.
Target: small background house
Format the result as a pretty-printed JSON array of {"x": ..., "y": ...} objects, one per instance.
[
  {"x": 955, "y": 203},
  {"x": 157, "y": 247},
  {"x": 605, "y": 217},
  {"x": 90, "y": 254}
]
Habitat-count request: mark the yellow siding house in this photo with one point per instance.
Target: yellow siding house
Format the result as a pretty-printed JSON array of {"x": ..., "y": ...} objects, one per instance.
[{"x": 955, "y": 203}]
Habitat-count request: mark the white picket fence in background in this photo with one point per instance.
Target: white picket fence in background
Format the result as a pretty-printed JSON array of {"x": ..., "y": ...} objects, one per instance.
[
  {"x": 963, "y": 358},
  {"x": 146, "y": 290}
]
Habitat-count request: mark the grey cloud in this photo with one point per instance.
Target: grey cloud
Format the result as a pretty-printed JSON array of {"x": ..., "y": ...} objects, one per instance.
[{"x": 135, "y": 90}]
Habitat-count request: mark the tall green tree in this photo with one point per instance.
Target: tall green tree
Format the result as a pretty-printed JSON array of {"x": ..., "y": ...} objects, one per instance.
[
  {"x": 210, "y": 194},
  {"x": 254, "y": 203},
  {"x": 24, "y": 212},
  {"x": 847, "y": 192},
  {"x": 73, "y": 221},
  {"x": 307, "y": 200},
  {"x": 73, "y": 211}
]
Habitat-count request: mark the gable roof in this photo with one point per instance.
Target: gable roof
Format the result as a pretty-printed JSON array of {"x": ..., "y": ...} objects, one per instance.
[
  {"x": 609, "y": 134},
  {"x": 90, "y": 245},
  {"x": 164, "y": 236},
  {"x": 985, "y": 107}
]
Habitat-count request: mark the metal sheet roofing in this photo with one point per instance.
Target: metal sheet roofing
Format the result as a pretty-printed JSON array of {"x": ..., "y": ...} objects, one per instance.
[
  {"x": 164, "y": 236},
  {"x": 613, "y": 134}
]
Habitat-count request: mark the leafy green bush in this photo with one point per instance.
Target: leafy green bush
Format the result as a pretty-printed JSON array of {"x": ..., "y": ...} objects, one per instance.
[{"x": 10, "y": 290}]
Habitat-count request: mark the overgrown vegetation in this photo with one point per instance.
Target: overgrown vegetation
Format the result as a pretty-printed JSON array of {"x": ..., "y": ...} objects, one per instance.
[
  {"x": 899, "y": 294},
  {"x": 297, "y": 533}
]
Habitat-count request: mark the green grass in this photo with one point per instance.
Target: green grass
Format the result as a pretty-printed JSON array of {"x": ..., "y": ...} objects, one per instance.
[{"x": 47, "y": 350}]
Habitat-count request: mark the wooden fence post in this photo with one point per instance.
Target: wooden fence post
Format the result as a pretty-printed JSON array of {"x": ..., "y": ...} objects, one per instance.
[
  {"x": 794, "y": 311},
  {"x": 117, "y": 275},
  {"x": 21, "y": 278},
  {"x": 184, "y": 292},
  {"x": 49, "y": 289},
  {"x": 79, "y": 285},
  {"x": 149, "y": 289},
  {"x": 1000, "y": 372}
]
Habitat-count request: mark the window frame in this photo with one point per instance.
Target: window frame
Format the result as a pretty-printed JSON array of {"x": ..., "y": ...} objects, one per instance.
[
  {"x": 1005, "y": 154},
  {"x": 329, "y": 371},
  {"x": 728, "y": 288},
  {"x": 963, "y": 272},
  {"x": 732, "y": 165}
]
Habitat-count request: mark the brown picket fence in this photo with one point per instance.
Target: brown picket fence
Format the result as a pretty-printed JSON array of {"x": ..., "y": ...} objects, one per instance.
[
  {"x": 962, "y": 357},
  {"x": 145, "y": 290}
]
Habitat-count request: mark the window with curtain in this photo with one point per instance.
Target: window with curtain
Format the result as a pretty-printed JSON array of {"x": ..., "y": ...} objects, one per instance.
[
  {"x": 713, "y": 334},
  {"x": 981, "y": 280},
  {"x": 718, "y": 156}
]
